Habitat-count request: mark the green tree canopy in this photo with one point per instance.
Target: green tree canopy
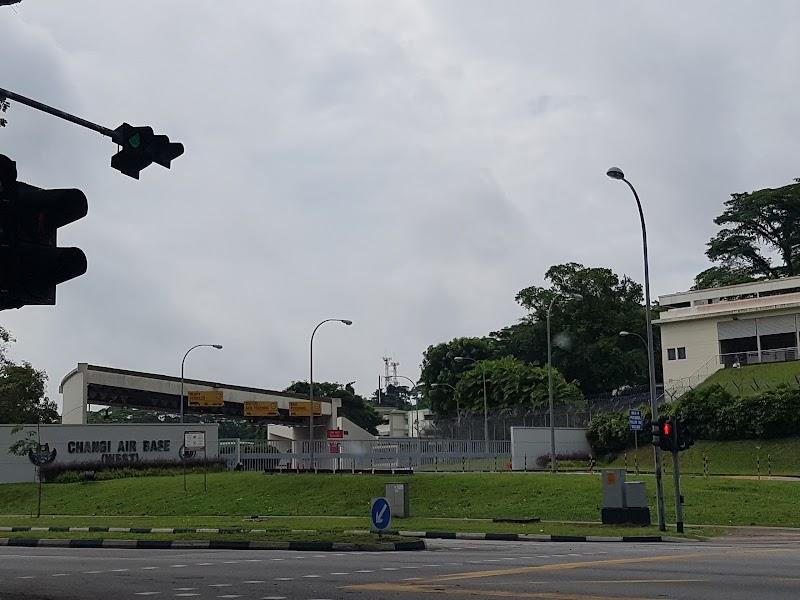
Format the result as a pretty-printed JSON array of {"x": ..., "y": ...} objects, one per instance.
[
  {"x": 586, "y": 345},
  {"x": 759, "y": 239},
  {"x": 22, "y": 390},
  {"x": 354, "y": 407}
]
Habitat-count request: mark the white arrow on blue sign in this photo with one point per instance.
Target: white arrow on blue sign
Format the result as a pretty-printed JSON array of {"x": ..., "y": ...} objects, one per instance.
[{"x": 380, "y": 514}]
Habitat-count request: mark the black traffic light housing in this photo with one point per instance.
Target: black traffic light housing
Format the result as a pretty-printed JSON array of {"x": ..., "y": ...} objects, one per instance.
[
  {"x": 140, "y": 147},
  {"x": 664, "y": 436},
  {"x": 31, "y": 263},
  {"x": 684, "y": 439}
]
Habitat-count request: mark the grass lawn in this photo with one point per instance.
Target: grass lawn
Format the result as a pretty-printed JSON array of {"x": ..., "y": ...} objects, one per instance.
[
  {"x": 751, "y": 379},
  {"x": 724, "y": 458},
  {"x": 234, "y": 496}
]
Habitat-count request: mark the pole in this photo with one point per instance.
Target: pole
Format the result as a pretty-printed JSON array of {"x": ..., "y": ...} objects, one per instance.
[
  {"x": 676, "y": 479},
  {"x": 550, "y": 393},
  {"x": 60, "y": 114},
  {"x": 636, "y": 450},
  {"x": 662, "y": 525},
  {"x": 485, "y": 412}
]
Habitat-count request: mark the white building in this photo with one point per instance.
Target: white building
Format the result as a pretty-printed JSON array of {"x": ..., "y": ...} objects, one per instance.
[{"x": 707, "y": 330}]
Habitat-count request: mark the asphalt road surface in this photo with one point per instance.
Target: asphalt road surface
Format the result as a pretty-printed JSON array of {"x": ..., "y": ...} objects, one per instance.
[{"x": 737, "y": 570}]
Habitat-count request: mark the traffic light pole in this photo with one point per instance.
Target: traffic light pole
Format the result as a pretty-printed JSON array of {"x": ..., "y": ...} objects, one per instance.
[
  {"x": 115, "y": 136},
  {"x": 676, "y": 478}
]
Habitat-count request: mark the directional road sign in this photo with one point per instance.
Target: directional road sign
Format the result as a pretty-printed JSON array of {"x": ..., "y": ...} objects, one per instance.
[
  {"x": 381, "y": 514},
  {"x": 197, "y": 398},
  {"x": 635, "y": 420}
]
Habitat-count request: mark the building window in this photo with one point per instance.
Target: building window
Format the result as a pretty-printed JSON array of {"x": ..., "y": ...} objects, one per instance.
[
  {"x": 670, "y": 353},
  {"x": 681, "y": 353}
]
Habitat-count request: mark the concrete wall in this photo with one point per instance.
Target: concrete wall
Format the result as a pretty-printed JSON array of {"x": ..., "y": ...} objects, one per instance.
[
  {"x": 699, "y": 337},
  {"x": 529, "y": 443},
  {"x": 106, "y": 443}
]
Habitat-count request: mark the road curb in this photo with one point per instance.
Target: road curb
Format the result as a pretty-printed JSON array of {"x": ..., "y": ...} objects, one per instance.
[
  {"x": 212, "y": 545},
  {"x": 322, "y": 546}
]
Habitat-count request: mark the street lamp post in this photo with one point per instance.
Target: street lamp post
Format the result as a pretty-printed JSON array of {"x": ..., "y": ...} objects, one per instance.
[
  {"x": 616, "y": 173},
  {"x": 416, "y": 406},
  {"x": 553, "y": 464},
  {"x": 485, "y": 402},
  {"x": 311, "y": 382},
  {"x": 183, "y": 362}
]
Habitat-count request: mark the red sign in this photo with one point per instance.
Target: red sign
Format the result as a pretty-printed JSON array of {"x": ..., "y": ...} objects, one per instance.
[
  {"x": 334, "y": 447},
  {"x": 335, "y": 434}
]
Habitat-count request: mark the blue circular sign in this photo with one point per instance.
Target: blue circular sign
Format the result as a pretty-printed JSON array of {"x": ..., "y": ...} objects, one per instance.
[{"x": 381, "y": 514}]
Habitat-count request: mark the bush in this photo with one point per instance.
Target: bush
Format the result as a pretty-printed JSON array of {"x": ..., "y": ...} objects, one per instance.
[
  {"x": 75, "y": 472},
  {"x": 610, "y": 432}
]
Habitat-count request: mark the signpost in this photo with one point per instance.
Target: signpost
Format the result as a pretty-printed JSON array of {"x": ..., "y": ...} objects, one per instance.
[
  {"x": 635, "y": 420},
  {"x": 192, "y": 442},
  {"x": 260, "y": 409},
  {"x": 214, "y": 398},
  {"x": 380, "y": 515},
  {"x": 335, "y": 434},
  {"x": 303, "y": 408}
]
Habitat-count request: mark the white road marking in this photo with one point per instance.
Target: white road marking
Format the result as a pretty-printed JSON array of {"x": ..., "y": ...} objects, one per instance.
[
  {"x": 148, "y": 568},
  {"x": 91, "y": 572},
  {"x": 365, "y": 571},
  {"x": 29, "y": 577},
  {"x": 284, "y": 579},
  {"x": 255, "y": 581},
  {"x": 203, "y": 564},
  {"x": 147, "y": 593},
  {"x": 310, "y": 576},
  {"x": 59, "y": 575},
  {"x": 119, "y": 570},
  {"x": 341, "y": 573},
  {"x": 220, "y": 584},
  {"x": 278, "y": 559},
  {"x": 229, "y": 562},
  {"x": 176, "y": 566},
  {"x": 389, "y": 568}
]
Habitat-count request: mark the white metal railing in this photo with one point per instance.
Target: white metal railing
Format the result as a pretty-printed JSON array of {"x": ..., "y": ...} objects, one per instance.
[
  {"x": 367, "y": 455},
  {"x": 755, "y": 357}
]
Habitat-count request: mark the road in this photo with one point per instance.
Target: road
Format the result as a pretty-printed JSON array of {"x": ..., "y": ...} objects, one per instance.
[{"x": 556, "y": 571}]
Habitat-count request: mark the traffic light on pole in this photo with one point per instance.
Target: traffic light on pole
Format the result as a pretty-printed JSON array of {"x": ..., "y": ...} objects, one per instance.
[
  {"x": 139, "y": 148},
  {"x": 31, "y": 263},
  {"x": 666, "y": 434},
  {"x": 684, "y": 439}
]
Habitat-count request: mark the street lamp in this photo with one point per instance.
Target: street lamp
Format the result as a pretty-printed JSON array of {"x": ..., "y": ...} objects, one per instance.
[
  {"x": 616, "y": 173},
  {"x": 311, "y": 382},
  {"x": 627, "y": 333},
  {"x": 553, "y": 465},
  {"x": 217, "y": 346},
  {"x": 485, "y": 403}
]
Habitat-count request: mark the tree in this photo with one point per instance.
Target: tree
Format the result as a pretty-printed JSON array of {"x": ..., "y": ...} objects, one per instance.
[
  {"x": 585, "y": 333},
  {"x": 22, "y": 390},
  {"x": 513, "y": 385},
  {"x": 397, "y": 396},
  {"x": 354, "y": 407},
  {"x": 440, "y": 367},
  {"x": 755, "y": 227}
]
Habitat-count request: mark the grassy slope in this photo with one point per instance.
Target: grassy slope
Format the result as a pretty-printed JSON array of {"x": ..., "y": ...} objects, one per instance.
[
  {"x": 709, "y": 500},
  {"x": 726, "y": 458},
  {"x": 752, "y": 378}
]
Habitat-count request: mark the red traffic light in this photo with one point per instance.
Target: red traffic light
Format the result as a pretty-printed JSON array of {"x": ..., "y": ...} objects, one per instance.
[{"x": 667, "y": 429}]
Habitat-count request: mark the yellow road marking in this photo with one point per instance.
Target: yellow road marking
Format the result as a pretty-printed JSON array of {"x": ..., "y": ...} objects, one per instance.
[{"x": 433, "y": 589}]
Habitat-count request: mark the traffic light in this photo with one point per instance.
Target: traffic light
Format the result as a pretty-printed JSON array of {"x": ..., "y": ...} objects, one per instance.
[
  {"x": 139, "y": 148},
  {"x": 31, "y": 264},
  {"x": 664, "y": 435},
  {"x": 684, "y": 439}
]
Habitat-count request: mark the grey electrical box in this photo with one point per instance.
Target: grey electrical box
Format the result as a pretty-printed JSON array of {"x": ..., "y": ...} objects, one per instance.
[
  {"x": 614, "y": 488},
  {"x": 397, "y": 495},
  {"x": 635, "y": 494}
]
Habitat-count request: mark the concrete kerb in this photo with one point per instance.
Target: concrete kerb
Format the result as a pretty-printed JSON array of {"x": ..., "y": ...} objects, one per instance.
[{"x": 418, "y": 544}]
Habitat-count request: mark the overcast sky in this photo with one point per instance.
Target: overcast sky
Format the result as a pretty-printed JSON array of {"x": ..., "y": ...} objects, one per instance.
[{"x": 407, "y": 165}]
